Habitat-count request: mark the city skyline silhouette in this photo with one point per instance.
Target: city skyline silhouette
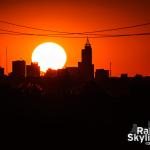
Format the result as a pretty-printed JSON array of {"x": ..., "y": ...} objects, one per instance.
[
  {"x": 100, "y": 98},
  {"x": 86, "y": 58},
  {"x": 121, "y": 30}
]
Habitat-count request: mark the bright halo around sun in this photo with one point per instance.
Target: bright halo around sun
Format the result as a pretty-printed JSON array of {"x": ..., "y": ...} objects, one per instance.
[{"x": 49, "y": 55}]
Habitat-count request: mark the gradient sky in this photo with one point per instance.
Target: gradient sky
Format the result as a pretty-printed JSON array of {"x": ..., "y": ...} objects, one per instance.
[{"x": 128, "y": 54}]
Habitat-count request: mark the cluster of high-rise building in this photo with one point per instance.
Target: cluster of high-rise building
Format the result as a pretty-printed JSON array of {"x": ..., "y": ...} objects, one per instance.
[
  {"x": 20, "y": 69},
  {"x": 84, "y": 71}
]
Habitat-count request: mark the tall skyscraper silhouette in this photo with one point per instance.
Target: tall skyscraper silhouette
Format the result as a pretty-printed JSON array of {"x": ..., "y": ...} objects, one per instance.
[{"x": 86, "y": 68}]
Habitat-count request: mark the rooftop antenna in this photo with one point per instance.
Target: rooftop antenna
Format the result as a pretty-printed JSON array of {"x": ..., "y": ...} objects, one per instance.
[
  {"x": 88, "y": 42},
  {"x": 110, "y": 69},
  {"x": 6, "y": 62}
]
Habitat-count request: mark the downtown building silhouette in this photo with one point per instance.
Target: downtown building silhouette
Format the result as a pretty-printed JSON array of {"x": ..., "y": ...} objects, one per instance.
[
  {"x": 86, "y": 68},
  {"x": 18, "y": 68},
  {"x": 84, "y": 71},
  {"x": 1, "y": 71},
  {"x": 33, "y": 70},
  {"x": 101, "y": 74}
]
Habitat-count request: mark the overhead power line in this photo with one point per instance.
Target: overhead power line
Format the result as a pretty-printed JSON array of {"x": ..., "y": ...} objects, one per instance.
[
  {"x": 60, "y": 36},
  {"x": 80, "y": 33},
  {"x": 120, "y": 28},
  {"x": 52, "y": 34},
  {"x": 33, "y": 28}
]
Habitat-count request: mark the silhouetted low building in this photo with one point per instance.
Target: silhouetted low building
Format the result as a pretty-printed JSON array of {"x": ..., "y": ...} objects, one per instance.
[
  {"x": 101, "y": 74},
  {"x": 50, "y": 73},
  {"x": 33, "y": 70},
  {"x": 18, "y": 68},
  {"x": 124, "y": 76},
  {"x": 138, "y": 76},
  {"x": 73, "y": 72},
  {"x": 1, "y": 71},
  {"x": 62, "y": 73}
]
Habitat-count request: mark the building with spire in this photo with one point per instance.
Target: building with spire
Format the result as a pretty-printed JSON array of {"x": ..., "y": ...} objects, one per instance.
[{"x": 86, "y": 68}]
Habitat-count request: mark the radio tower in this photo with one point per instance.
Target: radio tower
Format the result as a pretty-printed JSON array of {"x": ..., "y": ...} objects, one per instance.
[
  {"x": 110, "y": 70},
  {"x": 6, "y": 63}
]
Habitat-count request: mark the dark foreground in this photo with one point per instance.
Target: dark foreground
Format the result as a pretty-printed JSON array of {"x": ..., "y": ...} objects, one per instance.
[{"x": 92, "y": 114}]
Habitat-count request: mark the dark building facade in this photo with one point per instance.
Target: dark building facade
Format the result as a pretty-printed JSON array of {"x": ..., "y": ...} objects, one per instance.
[
  {"x": 101, "y": 74},
  {"x": 124, "y": 76},
  {"x": 86, "y": 68},
  {"x": 18, "y": 68},
  {"x": 33, "y": 70},
  {"x": 51, "y": 73},
  {"x": 73, "y": 72},
  {"x": 1, "y": 71}
]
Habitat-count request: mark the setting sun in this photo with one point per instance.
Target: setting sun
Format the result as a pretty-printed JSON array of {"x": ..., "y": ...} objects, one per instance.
[{"x": 49, "y": 55}]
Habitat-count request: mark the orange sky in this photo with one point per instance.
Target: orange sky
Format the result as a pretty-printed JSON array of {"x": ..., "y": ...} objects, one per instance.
[{"x": 128, "y": 54}]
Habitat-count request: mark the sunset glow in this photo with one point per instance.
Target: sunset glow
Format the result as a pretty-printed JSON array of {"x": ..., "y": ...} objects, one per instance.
[{"x": 128, "y": 54}]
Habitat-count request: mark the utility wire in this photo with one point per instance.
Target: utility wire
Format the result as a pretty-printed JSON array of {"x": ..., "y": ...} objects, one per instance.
[
  {"x": 82, "y": 35},
  {"x": 52, "y": 34},
  {"x": 33, "y": 28},
  {"x": 68, "y": 33},
  {"x": 120, "y": 28},
  {"x": 57, "y": 36}
]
